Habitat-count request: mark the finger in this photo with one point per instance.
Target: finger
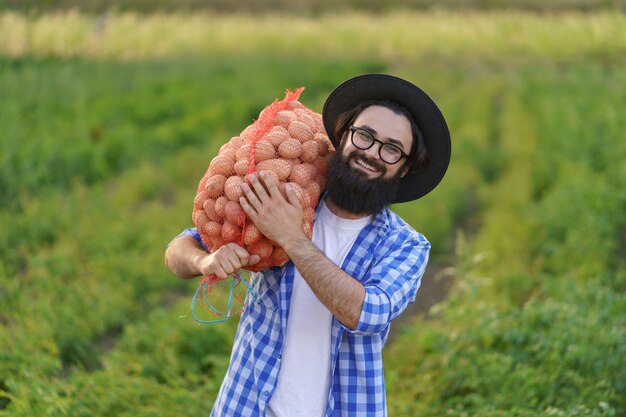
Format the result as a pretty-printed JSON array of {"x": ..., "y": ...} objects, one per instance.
[
  {"x": 220, "y": 273},
  {"x": 247, "y": 208},
  {"x": 242, "y": 254},
  {"x": 250, "y": 195},
  {"x": 235, "y": 259},
  {"x": 231, "y": 266},
  {"x": 259, "y": 189},
  {"x": 292, "y": 197},
  {"x": 271, "y": 185}
]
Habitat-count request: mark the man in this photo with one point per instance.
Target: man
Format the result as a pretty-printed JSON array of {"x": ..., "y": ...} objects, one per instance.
[{"x": 310, "y": 339}]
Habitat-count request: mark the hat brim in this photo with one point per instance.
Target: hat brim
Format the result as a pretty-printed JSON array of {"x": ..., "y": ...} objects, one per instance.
[{"x": 425, "y": 112}]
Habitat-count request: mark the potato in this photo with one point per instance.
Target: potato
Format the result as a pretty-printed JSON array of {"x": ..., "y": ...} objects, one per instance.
[
  {"x": 216, "y": 242},
  {"x": 280, "y": 167},
  {"x": 233, "y": 213},
  {"x": 220, "y": 206},
  {"x": 321, "y": 163},
  {"x": 213, "y": 228},
  {"x": 215, "y": 185},
  {"x": 318, "y": 122},
  {"x": 276, "y": 137},
  {"x": 237, "y": 142},
  {"x": 285, "y": 118},
  {"x": 290, "y": 148},
  {"x": 323, "y": 143},
  {"x": 222, "y": 165},
  {"x": 241, "y": 167},
  {"x": 295, "y": 104},
  {"x": 279, "y": 257},
  {"x": 313, "y": 191},
  {"x": 281, "y": 130},
  {"x": 304, "y": 117},
  {"x": 232, "y": 188},
  {"x": 199, "y": 200},
  {"x": 230, "y": 232},
  {"x": 309, "y": 151},
  {"x": 302, "y": 174},
  {"x": 300, "y": 131},
  {"x": 209, "y": 209},
  {"x": 263, "y": 150},
  {"x": 251, "y": 234},
  {"x": 200, "y": 219},
  {"x": 263, "y": 247},
  {"x": 229, "y": 151}
]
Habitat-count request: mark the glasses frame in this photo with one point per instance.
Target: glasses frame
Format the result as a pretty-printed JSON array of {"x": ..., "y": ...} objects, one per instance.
[{"x": 374, "y": 140}]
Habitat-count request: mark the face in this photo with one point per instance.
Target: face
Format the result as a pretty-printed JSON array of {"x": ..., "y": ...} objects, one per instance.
[
  {"x": 387, "y": 127},
  {"x": 359, "y": 181}
]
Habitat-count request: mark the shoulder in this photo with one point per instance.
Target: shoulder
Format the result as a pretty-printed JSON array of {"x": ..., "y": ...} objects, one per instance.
[{"x": 396, "y": 231}]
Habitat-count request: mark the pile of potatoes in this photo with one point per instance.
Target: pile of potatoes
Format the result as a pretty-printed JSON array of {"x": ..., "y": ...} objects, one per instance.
[{"x": 289, "y": 142}]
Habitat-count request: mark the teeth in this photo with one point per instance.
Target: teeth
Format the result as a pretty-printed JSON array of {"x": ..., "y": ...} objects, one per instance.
[{"x": 366, "y": 165}]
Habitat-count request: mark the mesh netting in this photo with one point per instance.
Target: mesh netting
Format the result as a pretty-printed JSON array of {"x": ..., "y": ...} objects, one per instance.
[{"x": 289, "y": 142}]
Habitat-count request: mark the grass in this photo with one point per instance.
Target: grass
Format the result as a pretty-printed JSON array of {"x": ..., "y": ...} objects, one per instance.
[
  {"x": 397, "y": 36},
  {"x": 105, "y": 136}
]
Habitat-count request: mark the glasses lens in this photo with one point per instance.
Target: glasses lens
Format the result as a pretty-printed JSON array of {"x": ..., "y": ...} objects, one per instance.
[
  {"x": 390, "y": 153},
  {"x": 362, "y": 139}
]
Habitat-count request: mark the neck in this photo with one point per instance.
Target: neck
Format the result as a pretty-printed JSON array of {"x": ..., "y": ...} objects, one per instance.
[{"x": 339, "y": 212}]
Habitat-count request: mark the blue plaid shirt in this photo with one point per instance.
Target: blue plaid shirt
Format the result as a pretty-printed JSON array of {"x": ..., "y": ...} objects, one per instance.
[{"x": 389, "y": 259}]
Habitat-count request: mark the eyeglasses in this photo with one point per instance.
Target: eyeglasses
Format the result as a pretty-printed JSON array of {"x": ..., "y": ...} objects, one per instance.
[{"x": 364, "y": 139}]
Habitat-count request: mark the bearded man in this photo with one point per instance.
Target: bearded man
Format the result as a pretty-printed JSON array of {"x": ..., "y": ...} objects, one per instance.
[{"x": 310, "y": 342}]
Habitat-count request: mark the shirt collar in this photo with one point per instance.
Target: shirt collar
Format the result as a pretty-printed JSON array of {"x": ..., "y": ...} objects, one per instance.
[{"x": 380, "y": 222}]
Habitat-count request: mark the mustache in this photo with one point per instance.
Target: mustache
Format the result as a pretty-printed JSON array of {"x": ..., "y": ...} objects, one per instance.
[{"x": 361, "y": 155}]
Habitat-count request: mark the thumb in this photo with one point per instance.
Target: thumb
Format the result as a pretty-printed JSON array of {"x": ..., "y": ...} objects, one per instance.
[{"x": 254, "y": 259}]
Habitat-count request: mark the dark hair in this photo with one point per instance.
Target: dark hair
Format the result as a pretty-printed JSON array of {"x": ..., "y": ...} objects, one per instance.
[{"x": 418, "y": 155}]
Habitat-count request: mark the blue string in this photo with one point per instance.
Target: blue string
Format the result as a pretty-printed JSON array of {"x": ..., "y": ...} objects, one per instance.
[{"x": 231, "y": 294}]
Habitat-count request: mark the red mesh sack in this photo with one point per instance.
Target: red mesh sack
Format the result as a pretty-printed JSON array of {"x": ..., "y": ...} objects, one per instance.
[{"x": 289, "y": 142}]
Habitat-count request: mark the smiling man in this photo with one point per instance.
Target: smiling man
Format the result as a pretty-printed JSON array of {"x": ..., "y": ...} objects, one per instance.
[{"x": 310, "y": 340}]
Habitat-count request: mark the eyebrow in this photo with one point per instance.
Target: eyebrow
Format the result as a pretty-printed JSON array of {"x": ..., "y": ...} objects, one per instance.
[{"x": 393, "y": 141}]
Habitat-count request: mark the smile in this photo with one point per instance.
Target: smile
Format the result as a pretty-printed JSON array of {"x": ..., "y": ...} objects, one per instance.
[{"x": 364, "y": 165}]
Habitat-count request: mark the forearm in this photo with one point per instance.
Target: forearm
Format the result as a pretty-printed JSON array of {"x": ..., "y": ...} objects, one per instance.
[
  {"x": 182, "y": 256},
  {"x": 269, "y": 210},
  {"x": 338, "y": 291}
]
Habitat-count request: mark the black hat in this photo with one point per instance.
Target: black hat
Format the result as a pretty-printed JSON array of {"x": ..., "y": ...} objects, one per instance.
[{"x": 424, "y": 111}]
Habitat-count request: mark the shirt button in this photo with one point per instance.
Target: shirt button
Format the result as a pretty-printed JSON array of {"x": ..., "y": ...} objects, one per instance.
[
  {"x": 280, "y": 356},
  {"x": 266, "y": 393}
]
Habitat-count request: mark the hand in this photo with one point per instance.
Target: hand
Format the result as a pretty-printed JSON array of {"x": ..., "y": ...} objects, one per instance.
[
  {"x": 227, "y": 260},
  {"x": 279, "y": 219}
]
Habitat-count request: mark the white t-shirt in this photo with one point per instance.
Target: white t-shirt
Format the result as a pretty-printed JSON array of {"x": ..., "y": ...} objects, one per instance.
[{"x": 304, "y": 377}]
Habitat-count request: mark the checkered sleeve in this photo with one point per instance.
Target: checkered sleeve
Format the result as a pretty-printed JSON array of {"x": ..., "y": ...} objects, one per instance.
[
  {"x": 392, "y": 285},
  {"x": 193, "y": 232}
]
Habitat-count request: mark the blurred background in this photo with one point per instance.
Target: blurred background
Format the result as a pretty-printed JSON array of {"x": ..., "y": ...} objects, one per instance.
[{"x": 110, "y": 112}]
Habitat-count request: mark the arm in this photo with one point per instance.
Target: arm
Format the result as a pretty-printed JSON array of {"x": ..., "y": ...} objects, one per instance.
[
  {"x": 338, "y": 291},
  {"x": 185, "y": 257},
  {"x": 280, "y": 220}
]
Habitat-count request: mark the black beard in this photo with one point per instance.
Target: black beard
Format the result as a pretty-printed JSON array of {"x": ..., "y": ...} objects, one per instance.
[{"x": 352, "y": 191}]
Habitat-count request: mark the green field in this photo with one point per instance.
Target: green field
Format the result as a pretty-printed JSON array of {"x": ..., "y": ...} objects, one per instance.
[{"x": 105, "y": 131}]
